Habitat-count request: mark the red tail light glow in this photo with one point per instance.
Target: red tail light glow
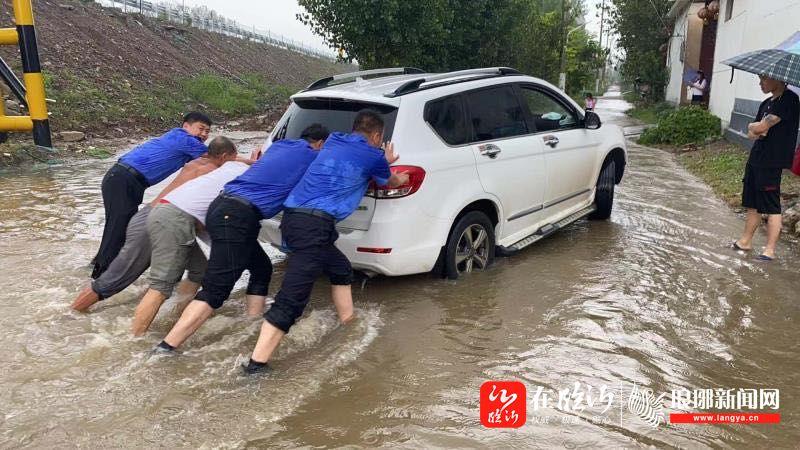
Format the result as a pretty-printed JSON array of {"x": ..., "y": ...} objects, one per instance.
[
  {"x": 383, "y": 251},
  {"x": 416, "y": 175}
]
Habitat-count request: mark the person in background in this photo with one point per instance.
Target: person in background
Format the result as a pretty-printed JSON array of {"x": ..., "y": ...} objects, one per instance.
[
  {"x": 134, "y": 257},
  {"x": 173, "y": 226},
  {"x": 146, "y": 165},
  {"x": 698, "y": 87},
  {"x": 234, "y": 221},
  {"x": 590, "y": 102},
  {"x": 775, "y": 135},
  {"x": 330, "y": 191}
]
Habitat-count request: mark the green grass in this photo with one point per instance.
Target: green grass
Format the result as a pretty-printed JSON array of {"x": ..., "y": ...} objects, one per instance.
[
  {"x": 631, "y": 96},
  {"x": 99, "y": 153},
  {"x": 721, "y": 166},
  {"x": 649, "y": 113},
  {"x": 83, "y": 103}
]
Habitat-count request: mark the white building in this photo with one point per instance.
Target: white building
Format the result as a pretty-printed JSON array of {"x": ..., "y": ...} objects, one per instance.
[{"x": 742, "y": 26}]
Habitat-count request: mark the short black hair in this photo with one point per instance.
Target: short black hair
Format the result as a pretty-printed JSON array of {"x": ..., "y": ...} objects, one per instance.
[
  {"x": 368, "y": 121},
  {"x": 220, "y": 146},
  {"x": 196, "y": 116},
  {"x": 315, "y": 132}
]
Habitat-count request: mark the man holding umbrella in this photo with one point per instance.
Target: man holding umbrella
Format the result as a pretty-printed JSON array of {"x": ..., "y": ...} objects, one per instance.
[{"x": 775, "y": 135}]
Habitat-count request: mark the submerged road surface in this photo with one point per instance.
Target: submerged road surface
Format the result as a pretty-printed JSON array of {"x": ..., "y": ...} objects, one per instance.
[{"x": 651, "y": 300}]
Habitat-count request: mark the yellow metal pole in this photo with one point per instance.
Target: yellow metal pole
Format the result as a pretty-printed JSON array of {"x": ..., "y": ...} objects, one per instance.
[
  {"x": 32, "y": 72},
  {"x": 16, "y": 123},
  {"x": 8, "y": 36}
]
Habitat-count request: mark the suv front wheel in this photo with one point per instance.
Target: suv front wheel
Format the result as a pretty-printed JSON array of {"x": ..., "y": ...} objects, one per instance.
[
  {"x": 470, "y": 245},
  {"x": 604, "y": 196}
]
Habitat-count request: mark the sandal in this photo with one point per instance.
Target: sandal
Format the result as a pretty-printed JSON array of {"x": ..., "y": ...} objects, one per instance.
[
  {"x": 764, "y": 258},
  {"x": 736, "y": 247}
]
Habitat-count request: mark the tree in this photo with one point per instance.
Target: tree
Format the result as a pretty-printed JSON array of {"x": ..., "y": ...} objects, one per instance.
[
  {"x": 444, "y": 35},
  {"x": 643, "y": 33}
]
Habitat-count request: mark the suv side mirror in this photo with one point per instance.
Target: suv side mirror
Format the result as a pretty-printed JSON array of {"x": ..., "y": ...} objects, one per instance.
[{"x": 592, "y": 120}]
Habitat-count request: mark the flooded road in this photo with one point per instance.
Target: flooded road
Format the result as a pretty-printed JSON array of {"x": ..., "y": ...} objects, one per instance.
[{"x": 652, "y": 298}]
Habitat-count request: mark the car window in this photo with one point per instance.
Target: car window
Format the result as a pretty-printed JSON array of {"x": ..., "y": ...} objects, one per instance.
[
  {"x": 495, "y": 113},
  {"x": 335, "y": 114},
  {"x": 547, "y": 113},
  {"x": 446, "y": 116}
]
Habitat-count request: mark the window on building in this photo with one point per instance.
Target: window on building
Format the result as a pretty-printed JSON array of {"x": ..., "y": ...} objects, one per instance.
[{"x": 728, "y": 10}]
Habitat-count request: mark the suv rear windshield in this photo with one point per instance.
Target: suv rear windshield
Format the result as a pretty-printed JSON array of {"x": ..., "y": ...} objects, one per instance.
[{"x": 335, "y": 114}]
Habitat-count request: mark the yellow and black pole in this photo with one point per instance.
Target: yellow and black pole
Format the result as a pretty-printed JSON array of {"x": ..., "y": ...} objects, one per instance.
[
  {"x": 32, "y": 72},
  {"x": 33, "y": 92}
]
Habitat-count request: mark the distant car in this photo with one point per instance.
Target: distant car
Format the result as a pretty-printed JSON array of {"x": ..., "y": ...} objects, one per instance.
[{"x": 497, "y": 161}]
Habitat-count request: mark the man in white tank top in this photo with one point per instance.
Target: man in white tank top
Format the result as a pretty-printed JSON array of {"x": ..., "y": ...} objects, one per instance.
[{"x": 173, "y": 227}]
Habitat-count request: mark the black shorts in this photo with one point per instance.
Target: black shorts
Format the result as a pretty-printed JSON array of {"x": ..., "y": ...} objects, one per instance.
[{"x": 762, "y": 189}]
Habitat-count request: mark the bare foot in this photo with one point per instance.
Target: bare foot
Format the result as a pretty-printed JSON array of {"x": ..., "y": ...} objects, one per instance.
[
  {"x": 86, "y": 298},
  {"x": 349, "y": 319}
]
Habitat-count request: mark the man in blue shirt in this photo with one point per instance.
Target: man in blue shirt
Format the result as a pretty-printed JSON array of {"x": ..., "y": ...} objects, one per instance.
[
  {"x": 330, "y": 191},
  {"x": 124, "y": 184},
  {"x": 233, "y": 222}
]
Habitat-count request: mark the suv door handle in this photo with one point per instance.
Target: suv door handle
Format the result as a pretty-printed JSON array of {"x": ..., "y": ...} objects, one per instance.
[
  {"x": 550, "y": 140},
  {"x": 489, "y": 150}
]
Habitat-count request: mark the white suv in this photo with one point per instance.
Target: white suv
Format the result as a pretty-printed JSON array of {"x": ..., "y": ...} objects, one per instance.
[{"x": 497, "y": 160}]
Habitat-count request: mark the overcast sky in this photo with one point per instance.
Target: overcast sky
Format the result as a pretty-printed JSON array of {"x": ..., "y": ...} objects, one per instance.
[{"x": 278, "y": 16}]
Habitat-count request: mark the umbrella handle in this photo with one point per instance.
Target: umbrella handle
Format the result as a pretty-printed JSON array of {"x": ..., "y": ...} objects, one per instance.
[{"x": 732, "y": 70}]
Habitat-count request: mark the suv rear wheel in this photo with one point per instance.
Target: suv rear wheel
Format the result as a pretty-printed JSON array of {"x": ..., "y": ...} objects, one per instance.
[
  {"x": 604, "y": 196},
  {"x": 470, "y": 245}
]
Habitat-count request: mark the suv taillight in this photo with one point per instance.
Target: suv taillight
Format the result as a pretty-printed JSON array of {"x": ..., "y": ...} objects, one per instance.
[{"x": 415, "y": 177}]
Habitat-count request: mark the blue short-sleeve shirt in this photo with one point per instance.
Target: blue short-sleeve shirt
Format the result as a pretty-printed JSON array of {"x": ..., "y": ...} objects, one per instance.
[
  {"x": 337, "y": 180},
  {"x": 159, "y": 158},
  {"x": 267, "y": 183}
]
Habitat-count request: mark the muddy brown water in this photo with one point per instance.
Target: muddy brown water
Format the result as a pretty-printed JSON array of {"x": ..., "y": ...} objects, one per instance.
[{"x": 652, "y": 297}]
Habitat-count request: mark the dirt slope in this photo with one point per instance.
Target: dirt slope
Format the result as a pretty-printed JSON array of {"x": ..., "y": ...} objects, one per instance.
[{"x": 111, "y": 71}]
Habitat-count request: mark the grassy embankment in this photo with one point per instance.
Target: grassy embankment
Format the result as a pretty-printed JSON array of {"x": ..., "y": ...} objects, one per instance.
[
  {"x": 721, "y": 166},
  {"x": 118, "y": 103}
]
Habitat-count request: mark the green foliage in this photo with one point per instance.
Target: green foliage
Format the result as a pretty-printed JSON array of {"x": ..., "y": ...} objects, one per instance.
[
  {"x": 649, "y": 113},
  {"x": 691, "y": 125},
  {"x": 644, "y": 31},
  {"x": 444, "y": 35}
]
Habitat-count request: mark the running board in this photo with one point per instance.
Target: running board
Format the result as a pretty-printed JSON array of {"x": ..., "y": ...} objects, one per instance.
[{"x": 543, "y": 232}]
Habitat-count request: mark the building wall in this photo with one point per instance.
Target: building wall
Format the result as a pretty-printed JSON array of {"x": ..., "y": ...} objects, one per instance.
[
  {"x": 755, "y": 24},
  {"x": 686, "y": 43}
]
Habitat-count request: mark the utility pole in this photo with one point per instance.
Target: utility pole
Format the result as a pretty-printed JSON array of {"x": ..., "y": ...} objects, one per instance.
[
  {"x": 562, "y": 75},
  {"x": 602, "y": 69}
]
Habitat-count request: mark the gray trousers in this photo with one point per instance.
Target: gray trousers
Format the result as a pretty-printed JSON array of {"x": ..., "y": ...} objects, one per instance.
[
  {"x": 174, "y": 248},
  {"x": 132, "y": 260}
]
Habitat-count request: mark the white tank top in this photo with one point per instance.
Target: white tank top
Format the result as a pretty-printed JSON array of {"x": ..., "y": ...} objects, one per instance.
[{"x": 194, "y": 196}]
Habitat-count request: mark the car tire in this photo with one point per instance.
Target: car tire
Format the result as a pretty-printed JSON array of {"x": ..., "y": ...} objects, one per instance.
[
  {"x": 470, "y": 245},
  {"x": 604, "y": 195}
]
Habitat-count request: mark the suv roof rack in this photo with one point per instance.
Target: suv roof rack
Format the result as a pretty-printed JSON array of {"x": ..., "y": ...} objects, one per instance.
[
  {"x": 448, "y": 78},
  {"x": 325, "y": 82}
]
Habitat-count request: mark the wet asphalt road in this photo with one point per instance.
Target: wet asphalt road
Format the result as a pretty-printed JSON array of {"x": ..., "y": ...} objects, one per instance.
[{"x": 652, "y": 298}]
